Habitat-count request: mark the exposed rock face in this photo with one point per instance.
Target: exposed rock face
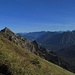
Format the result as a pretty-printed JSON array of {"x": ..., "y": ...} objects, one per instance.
[{"x": 34, "y": 47}]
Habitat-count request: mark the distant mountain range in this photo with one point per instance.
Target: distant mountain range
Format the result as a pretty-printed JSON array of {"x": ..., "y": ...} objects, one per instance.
[
  {"x": 58, "y": 41},
  {"x": 32, "y": 35}
]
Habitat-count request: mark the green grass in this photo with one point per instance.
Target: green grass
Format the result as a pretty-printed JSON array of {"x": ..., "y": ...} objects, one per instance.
[{"x": 23, "y": 62}]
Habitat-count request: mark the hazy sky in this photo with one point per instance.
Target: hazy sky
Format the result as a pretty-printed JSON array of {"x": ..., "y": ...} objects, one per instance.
[{"x": 37, "y": 15}]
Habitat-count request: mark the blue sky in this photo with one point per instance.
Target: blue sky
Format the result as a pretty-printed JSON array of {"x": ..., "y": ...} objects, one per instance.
[{"x": 37, "y": 15}]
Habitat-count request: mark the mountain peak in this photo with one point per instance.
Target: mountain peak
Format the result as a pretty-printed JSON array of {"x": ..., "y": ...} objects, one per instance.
[{"x": 5, "y": 29}]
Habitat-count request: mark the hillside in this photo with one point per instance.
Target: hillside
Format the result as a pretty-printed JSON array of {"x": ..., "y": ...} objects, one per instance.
[{"x": 18, "y": 61}]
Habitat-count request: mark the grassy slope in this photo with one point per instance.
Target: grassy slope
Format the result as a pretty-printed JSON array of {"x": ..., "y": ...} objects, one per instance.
[{"x": 22, "y": 62}]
